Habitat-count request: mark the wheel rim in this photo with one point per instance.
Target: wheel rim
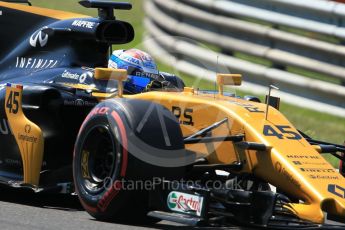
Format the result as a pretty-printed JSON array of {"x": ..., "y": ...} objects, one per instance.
[{"x": 98, "y": 159}]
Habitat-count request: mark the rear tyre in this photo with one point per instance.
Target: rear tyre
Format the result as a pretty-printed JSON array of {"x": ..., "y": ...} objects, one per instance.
[{"x": 115, "y": 156}]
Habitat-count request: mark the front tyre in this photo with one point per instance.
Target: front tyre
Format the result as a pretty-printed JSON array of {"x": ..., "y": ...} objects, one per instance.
[{"x": 109, "y": 170}]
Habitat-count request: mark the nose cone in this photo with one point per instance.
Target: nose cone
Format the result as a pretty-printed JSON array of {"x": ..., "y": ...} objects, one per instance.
[
  {"x": 334, "y": 207},
  {"x": 315, "y": 211}
]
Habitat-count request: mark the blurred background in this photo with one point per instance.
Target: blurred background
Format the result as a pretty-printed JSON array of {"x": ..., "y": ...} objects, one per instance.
[{"x": 295, "y": 45}]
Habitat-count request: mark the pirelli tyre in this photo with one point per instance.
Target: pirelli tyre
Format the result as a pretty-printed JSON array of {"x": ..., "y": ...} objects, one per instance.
[{"x": 124, "y": 149}]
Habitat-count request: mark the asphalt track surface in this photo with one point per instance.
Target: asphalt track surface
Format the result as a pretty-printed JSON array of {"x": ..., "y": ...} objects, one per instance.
[{"x": 23, "y": 210}]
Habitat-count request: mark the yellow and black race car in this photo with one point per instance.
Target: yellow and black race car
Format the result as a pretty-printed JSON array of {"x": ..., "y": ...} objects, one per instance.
[{"x": 169, "y": 152}]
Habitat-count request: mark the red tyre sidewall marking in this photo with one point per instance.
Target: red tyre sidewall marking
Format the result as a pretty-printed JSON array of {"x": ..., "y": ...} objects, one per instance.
[
  {"x": 124, "y": 142},
  {"x": 109, "y": 196},
  {"x": 116, "y": 187}
]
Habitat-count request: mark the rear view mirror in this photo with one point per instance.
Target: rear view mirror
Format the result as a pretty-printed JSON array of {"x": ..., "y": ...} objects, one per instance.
[
  {"x": 106, "y": 74},
  {"x": 228, "y": 79}
]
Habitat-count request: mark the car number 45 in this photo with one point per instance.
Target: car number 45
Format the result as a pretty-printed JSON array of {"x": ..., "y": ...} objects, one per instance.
[
  {"x": 12, "y": 102},
  {"x": 281, "y": 132}
]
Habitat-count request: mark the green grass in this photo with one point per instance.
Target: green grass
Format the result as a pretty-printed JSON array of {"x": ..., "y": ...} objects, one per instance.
[
  {"x": 65, "y": 5},
  {"x": 318, "y": 125},
  {"x": 291, "y": 69},
  {"x": 314, "y": 75},
  {"x": 318, "y": 36},
  {"x": 322, "y": 37},
  {"x": 254, "y": 59}
]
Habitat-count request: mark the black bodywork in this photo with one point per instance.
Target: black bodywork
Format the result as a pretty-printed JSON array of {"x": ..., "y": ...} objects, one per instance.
[
  {"x": 54, "y": 60},
  {"x": 49, "y": 58}
]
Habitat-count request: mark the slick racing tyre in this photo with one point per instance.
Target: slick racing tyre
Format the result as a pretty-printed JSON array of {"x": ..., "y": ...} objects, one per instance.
[{"x": 120, "y": 150}]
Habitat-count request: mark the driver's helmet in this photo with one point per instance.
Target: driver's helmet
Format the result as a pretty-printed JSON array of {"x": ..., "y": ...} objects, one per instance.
[{"x": 140, "y": 66}]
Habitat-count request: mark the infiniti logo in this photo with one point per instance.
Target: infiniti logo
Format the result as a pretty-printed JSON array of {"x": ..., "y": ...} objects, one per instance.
[{"x": 39, "y": 39}]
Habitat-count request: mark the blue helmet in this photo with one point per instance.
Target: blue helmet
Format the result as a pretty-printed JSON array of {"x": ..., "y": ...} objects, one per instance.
[{"x": 140, "y": 66}]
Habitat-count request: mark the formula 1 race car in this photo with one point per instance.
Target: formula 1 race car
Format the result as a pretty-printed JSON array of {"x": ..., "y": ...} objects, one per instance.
[{"x": 169, "y": 153}]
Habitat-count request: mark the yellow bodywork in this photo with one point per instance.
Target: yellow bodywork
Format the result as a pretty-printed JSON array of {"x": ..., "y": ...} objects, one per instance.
[
  {"x": 28, "y": 135},
  {"x": 292, "y": 164},
  {"x": 56, "y": 14}
]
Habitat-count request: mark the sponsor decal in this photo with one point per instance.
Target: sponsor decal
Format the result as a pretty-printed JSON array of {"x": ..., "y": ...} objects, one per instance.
[
  {"x": 79, "y": 103},
  {"x": 308, "y": 163},
  {"x": 293, "y": 156},
  {"x": 184, "y": 115},
  {"x": 39, "y": 39},
  {"x": 112, "y": 64},
  {"x": 5, "y": 128},
  {"x": 315, "y": 170},
  {"x": 13, "y": 162},
  {"x": 69, "y": 75},
  {"x": 146, "y": 74},
  {"x": 251, "y": 108},
  {"x": 95, "y": 111},
  {"x": 75, "y": 76},
  {"x": 83, "y": 24},
  {"x": 84, "y": 76},
  {"x": 27, "y": 129},
  {"x": 131, "y": 59},
  {"x": 323, "y": 177},
  {"x": 35, "y": 63},
  {"x": 185, "y": 203},
  {"x": 140, "y": 56},
  {"x": 336, "y": 190},
  {"x": 85, "y": 164},
  {"x": 280, "y": 169},
  {"x": 26, "y": 136},
  {"x": 100, "y": 111}
]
